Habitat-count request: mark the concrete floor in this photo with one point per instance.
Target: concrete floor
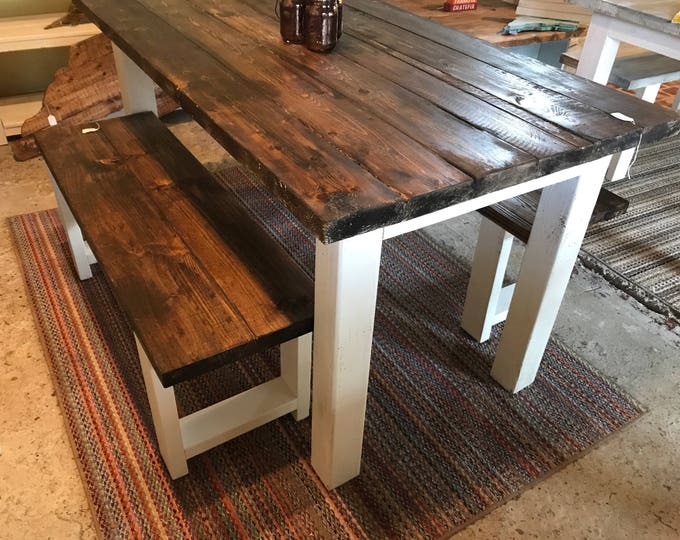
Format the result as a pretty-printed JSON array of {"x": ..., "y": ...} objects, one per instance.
[{"x": 628, "y": 487}]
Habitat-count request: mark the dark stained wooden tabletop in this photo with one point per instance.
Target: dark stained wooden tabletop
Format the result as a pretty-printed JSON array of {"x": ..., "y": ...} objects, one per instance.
[{"x": 404, "y": 117}]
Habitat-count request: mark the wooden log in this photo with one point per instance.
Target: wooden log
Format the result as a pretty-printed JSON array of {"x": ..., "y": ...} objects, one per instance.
[
  {"x": 86, "y": 89},
  {"x": 73, "y": 17}
]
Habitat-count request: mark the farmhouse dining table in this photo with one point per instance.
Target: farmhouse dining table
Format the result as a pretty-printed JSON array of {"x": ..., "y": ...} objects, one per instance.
[
  {"x": 643, "y": 23},
  {"x": 404, "y": 124}
]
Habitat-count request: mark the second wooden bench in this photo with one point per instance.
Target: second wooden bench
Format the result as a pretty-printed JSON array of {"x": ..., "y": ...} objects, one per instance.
[
  {"x": 639, "y": 71},
  {"x": 200, "y": 280},
  {"x": 487, "y": 300}
]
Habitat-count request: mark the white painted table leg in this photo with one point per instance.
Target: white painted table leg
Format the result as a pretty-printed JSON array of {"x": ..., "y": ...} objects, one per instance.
[
  {"x": 165, "y": 417},
  {"x": 346, "y": 285},
  {"x": 559, "y": 227},
  {"x": 137, "y": 89},
  {"x": 599, "y": 52},
  {"x": 80, "y": 252},
  {"x": 481, "y": 310},
  {"x": 296, "y": 371}
]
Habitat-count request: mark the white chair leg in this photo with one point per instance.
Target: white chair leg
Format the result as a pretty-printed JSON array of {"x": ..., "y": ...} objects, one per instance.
[
  {"x": 485, "y": 303},
  {"x": 80, "y": 251},
  {"x": 618, "y": 168},
  {"x": 296, "y": 371},
  {"x": 676, "y": 102},
  {"x": 165, "y": 418}
]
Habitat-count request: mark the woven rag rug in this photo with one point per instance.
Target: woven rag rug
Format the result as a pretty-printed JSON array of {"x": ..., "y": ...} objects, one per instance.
[
  {"x": 443, "y": 445},
  {"x": 639, "y": 252}
]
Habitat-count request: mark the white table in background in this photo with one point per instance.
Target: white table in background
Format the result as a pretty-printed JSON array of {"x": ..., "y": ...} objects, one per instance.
[{"x": 643, "y": 23}]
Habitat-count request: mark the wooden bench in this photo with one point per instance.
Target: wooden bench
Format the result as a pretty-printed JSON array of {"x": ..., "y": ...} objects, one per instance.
[
  {"x": 639, "y": 71},
  {"x": 487, "y": 300},
  {"x": 201, "y": 282}
]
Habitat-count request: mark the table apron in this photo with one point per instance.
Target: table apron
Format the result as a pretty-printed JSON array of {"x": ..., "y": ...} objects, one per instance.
[{"x": 482, "y": 201}]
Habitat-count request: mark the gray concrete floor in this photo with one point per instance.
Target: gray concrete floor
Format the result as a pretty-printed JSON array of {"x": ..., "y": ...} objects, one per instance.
[{"x": 628, "y": 487}]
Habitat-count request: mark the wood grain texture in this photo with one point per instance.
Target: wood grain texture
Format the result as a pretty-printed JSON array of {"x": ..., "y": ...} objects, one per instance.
[
  {"x": 537, "y": 78},
  {"x": 403, "y": 118},
  {"x": 199, "y": 279}
]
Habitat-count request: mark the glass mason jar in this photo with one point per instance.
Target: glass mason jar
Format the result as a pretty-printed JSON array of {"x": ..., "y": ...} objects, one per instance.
[
  {"x": 321, "y": 25},
  {"x": 291, "y": 17}
]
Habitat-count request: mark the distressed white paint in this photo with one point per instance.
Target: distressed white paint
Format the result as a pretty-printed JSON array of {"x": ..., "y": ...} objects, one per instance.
[
  {"x": 490, "y": 260},
  {"x": 346, "y": 285},
  {"x": 137, "y": 89},
  {"x": 556, "y": 236}
]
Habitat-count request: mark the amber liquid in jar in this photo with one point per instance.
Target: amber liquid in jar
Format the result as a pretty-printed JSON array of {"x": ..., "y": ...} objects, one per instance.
[
  {"x": 291, "y": 16},
  {"x": 321, "y": 25}
]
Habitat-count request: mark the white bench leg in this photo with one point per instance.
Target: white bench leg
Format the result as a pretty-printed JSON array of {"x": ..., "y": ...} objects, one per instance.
[
  {"x": 182, "y": 438},
  {"x": 487, "y": 301},
  {"x": 648, "y": 93},
  {"x": 296, "y": 371},
  {"x": 618, "y": 168},
  {"x": 165, "y": 418},
  {"x": 3, "y": 135},
  {"x": 559, "y": 227},
  {"x": 80, "y": 252}
]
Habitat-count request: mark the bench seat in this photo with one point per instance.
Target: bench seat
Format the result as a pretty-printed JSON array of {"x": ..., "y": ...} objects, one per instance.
[
  {"x": 488, "y": 300},
  {"x": 635, "y": 72},
  {"x": 517, "y": 215},
  {"x": 200, "y": 280}
]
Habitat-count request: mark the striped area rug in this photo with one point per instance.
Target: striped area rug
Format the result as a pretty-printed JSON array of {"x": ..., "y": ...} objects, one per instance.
[
  {"x": 443, "y": 443},
  {"x": 639, "y": 252}
]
